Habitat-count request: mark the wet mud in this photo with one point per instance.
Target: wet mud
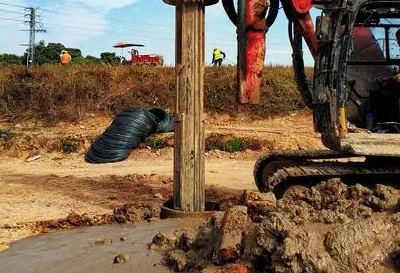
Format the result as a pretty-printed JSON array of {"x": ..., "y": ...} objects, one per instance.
[
  {"x": 331, "y": 227},
  {"x": 100, "y": 249}
]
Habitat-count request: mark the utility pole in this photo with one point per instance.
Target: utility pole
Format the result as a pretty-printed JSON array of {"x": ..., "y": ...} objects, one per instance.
[
  {"x": 189, "y": 195},
  {"x": 34, "y": 26}
]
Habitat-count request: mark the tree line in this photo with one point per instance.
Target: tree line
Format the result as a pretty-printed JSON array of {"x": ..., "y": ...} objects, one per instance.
[{"x": 50, "y": 54}]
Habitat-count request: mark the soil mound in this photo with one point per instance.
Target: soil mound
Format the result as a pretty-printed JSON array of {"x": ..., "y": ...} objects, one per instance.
[{"x": 331, "y": 227}]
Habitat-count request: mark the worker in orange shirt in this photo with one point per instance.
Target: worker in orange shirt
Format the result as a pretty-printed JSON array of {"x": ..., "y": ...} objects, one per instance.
[{"x": 65, "y": 58}]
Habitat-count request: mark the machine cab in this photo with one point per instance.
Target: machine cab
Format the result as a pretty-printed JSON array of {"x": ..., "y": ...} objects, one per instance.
[
  {"x": 373, "y": 65},
  {"x": 356, "y": 94}
]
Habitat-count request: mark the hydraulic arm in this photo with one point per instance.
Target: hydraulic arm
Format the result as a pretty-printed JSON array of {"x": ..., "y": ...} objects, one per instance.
[{"x": 253, "y": 19}]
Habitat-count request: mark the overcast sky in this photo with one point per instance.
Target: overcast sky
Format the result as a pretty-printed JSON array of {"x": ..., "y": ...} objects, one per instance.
[{"x": 95, "y": 25}]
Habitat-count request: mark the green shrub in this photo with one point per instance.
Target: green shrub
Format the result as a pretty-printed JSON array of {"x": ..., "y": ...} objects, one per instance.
[
  {"x": 233, "y": 144},
  {"x": 236, "y": 145},
  {"x": 155, "y": 143},
  {"x": 214, "y": 142},
  {"x": 69, "y": 145}
]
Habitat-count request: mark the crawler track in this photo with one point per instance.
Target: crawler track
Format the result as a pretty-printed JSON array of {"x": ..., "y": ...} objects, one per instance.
[{"x": 279, "y": 170}]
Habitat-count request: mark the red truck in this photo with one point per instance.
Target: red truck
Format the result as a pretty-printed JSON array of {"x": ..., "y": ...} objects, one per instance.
[
  {"x": 149, "y": 59},
  {"x": 136, "y": 59}
]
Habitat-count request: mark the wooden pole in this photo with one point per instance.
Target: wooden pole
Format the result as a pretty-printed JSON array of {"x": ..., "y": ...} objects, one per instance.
[{"x": 189, "y": 119}]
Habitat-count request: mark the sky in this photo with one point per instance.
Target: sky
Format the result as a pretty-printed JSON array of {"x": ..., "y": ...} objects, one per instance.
[{"x": 94, "y": 26}]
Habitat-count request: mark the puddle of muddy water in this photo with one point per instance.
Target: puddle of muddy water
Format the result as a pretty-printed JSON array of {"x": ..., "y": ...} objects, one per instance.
[{"x": 91, "y": 249}]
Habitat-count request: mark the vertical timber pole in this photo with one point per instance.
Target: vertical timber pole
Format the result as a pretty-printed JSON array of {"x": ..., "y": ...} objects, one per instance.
[{"x": 189, "y": 124}]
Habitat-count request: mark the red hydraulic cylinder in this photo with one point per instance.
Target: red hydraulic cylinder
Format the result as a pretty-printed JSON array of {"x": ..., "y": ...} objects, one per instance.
[{"x": 251, "y": 44}]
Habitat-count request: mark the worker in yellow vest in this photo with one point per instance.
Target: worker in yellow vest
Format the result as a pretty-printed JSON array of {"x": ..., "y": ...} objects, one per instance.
[
  {"x": 65, "y": 58},
  {"x": 218, "y": 57}
]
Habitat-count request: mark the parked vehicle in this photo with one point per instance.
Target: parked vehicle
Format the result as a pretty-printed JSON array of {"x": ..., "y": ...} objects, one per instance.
[{"x": 137, "y": 59}]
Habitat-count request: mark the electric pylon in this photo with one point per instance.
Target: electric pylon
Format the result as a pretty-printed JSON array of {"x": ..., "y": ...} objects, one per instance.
[{"x": 35, "y": 25}]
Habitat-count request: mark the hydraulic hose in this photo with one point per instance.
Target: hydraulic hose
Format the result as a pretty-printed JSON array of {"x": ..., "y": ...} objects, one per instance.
[
  {"x": 300, "y": 76},
  {"x": 272, "y": 12},
  {"x": 230, "y": 10}
]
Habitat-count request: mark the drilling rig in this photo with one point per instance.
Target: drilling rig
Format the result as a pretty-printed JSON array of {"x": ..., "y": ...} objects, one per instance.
[{"x": 354, "y": 92}]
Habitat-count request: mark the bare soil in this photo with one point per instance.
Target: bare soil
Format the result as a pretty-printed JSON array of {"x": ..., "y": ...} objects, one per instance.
[
  {"x": 63, "y": 188},
  {"x": 329, "y": 228}
]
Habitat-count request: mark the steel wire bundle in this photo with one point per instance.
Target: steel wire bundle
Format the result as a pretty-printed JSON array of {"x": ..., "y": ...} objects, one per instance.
[{"x": 127, "y": 130}]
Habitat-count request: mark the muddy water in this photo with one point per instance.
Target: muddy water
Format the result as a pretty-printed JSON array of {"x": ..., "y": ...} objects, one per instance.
[{"x": 90, "y": 250}]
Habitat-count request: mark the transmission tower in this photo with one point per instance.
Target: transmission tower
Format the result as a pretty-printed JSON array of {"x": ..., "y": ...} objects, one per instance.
[{"x": 35, "y": 25}]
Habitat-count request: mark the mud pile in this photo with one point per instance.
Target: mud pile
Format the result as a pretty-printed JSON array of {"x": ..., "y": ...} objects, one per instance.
[
  {"x": 128, "y": 213},
  {"x": 328, "y": 228}
]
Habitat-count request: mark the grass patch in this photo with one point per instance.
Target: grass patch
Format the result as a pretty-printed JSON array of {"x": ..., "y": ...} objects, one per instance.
[
  {"x": 233, "y": 144},
  {"x": 236, "y": 144},
  {"x": 70, "y": 145},
  {"x": 215, "y": 142},
  {"x": 155, "y": 143}
]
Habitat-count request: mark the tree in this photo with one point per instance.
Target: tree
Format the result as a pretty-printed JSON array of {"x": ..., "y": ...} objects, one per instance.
[
  {"x": 109, "y": 58},
  {"x": 74, "y": 52},
  {"x": 92, "y": 59},
  {"x": 51, "y": 53},
  {"x": 10, "y": 59},
  {"x": 87, "y": 60}
]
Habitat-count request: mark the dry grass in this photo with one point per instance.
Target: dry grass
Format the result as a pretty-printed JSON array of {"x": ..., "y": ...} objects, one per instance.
[{"x": 53, "y": 93}]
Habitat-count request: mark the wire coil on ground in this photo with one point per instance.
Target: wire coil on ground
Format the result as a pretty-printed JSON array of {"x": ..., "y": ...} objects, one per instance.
[{"x": 128, "y": 129}]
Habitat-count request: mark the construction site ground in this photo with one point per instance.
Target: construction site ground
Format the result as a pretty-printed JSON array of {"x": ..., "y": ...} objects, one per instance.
[
  {"x": 331, "y": 227},
  {"x": 58, "y": 184}
]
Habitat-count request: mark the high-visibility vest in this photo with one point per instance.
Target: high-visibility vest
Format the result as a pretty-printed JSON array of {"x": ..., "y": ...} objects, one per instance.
[
  {"x": 218, "y": 55},
  {"x": 65, "y": 58}
]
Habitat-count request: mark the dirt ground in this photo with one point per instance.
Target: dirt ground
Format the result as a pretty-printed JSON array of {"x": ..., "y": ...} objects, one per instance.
[
  {"x": 331, "y": 227},
  {"x": 57, "y": 185}
]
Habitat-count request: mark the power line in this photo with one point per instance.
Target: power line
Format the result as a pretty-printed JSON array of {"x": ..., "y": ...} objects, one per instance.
[
  {"x": 68, "y": 13},
  {"x": 9, "y": 25},
  {"x": 218, "y": 44},
  {"x": 11, "y": 19},
  {"x": 170, "y": 40},
  {"x": 132, "y": 35},
  {"x": 122, "y": 20},
  {"x": 233, "y": 42},
  {"x": 145, "y": 24},
  {"x": 11, "y": 11},
  {"x": 76, "y": 27},
  {"x": 103, "y": 26},
  {"x": 114, "y": 32},
  {"x": 155, "y": 25},
  {"x": 74, "y": 12},
  {"x": 11, "y": 5},
  {"x": 141, "y": 36},
  {"x": 109, "y": 19}
]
